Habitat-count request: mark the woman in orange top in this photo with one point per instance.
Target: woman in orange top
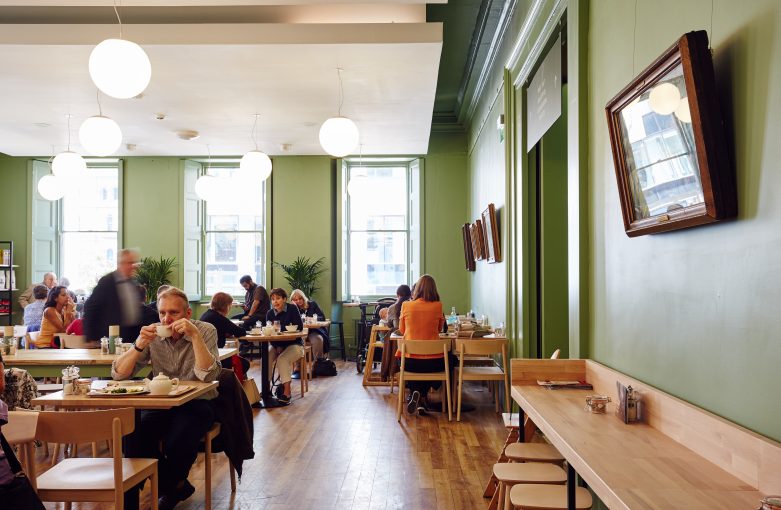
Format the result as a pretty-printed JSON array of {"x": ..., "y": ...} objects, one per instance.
[
  {"x": 58, "y": 313},
  {"x": 422, "y": 319}
]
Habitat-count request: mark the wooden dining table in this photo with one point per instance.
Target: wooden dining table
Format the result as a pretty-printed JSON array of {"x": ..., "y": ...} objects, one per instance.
[
  {"x": 91, "y": 362},
  {"x": 146, "y": 401},
  {"x": 265, "y": 388}
]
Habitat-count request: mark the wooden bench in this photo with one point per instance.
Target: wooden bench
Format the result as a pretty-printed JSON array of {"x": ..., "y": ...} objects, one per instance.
[{"x": 681, "y": 456}]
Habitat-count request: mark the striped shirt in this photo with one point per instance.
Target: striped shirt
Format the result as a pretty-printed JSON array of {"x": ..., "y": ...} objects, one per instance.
[{"x": 177, "y": 358}]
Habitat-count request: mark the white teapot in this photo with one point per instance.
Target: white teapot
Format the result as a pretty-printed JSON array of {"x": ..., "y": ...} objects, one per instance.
[{"x": 162, "y": 385}]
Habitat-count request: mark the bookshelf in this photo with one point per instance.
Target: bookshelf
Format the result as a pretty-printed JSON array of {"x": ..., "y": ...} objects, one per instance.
[{"x": 7, "y": 281}]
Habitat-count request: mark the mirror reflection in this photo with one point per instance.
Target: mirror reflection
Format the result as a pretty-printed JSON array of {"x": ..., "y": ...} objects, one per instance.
[{"x": 658, "y": 143}]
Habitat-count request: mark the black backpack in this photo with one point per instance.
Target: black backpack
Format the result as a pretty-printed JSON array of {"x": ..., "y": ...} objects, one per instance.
[{"x": 324, "y": 368}]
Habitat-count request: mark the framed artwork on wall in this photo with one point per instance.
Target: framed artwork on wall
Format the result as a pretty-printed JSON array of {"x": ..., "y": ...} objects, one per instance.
[
  {"x": 491, "y": 236},
  {"x": 476, "y": 230},
  {"x": 469, "y": 256},
  {"x": 669, "y": 144}
]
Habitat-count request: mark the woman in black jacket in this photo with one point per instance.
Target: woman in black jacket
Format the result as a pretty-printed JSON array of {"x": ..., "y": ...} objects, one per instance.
[
  {"x": 318, "y": 337},
  {"x": 217, "y": 316}
]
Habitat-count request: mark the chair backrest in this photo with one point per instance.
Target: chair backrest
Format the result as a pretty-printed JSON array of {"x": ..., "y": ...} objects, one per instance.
[
  {"x": 424, "y": 347},
  {"x": 84, "y": 426},
  {"x": 481, "y": 347},
  {"x": 555, "y": 354},
  {"x": 381, "y": 303},
  {"x": 21, "y": 427},
  {"x": 30, "y": 339},
  {"x": 74, "y": 342}
]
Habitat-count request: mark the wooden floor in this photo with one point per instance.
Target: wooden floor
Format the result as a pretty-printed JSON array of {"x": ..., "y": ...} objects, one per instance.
[{"x": 340, "y": 447}]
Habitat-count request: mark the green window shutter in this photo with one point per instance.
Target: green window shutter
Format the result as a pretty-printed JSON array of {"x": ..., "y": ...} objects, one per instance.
[
  {"x": 342, "y": 255},
  {"x": 416, "y": 226},
  {"x": 193, "y": 240},
  {"x": 44, "y": 244}
]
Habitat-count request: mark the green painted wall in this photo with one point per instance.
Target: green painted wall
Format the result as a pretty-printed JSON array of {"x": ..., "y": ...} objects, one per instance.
[
  {"x": 13, "y": 221},
  {"x": 694, "y": 312}
]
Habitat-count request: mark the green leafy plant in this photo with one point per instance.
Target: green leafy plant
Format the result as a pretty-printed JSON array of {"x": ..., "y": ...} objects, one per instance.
[
  {"x": 303, "y": 273},
  {"x": 153, "y": 273}
]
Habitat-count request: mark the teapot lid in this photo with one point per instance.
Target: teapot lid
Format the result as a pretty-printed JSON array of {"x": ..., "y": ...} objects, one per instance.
[{"x": 160, "y": 376}]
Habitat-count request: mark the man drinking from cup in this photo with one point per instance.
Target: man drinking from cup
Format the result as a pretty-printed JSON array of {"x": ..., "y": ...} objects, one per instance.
[{"x": 186, "y": 349}]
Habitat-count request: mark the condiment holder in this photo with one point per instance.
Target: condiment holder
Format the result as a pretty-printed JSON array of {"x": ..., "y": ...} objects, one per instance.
[{"x": 597, "y": 404}]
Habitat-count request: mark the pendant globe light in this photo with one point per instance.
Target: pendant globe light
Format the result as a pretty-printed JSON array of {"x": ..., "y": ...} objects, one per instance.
[
  {"x": 339, "y": 135},
  {"x": 52, "y": 187},
  {"x": 67, "y": 164},
  {"x": 99, "y": 135},
  {"x": 257, "y": 160},
  {"x": 207, "y": 187},
  {"x": 120, "y": 68},
  {"x": 664, "y": 98}
]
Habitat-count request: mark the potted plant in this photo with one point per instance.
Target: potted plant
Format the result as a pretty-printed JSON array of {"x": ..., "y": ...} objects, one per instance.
[
  {"x": 303, "y": 273},
  {"x": 153, "y": 273}
]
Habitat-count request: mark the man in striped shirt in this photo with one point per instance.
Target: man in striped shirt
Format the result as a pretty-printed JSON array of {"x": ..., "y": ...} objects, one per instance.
[{"x": 189, "y": 353}]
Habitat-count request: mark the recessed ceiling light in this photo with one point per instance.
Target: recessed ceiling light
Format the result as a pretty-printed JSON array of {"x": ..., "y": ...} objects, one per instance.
[
  {"x": 160, "y": 116},
  {"x": 188, "y": 134}
]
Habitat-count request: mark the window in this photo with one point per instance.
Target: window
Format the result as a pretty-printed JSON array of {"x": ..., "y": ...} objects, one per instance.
[
  {"x": 87, "y": 230},
  {"x": 380, "y": 230},
  {"x": 233, "y": 233}
]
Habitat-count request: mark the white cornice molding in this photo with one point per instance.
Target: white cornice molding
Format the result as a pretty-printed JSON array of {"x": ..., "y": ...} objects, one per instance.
[{"x": 530, "y": 60}]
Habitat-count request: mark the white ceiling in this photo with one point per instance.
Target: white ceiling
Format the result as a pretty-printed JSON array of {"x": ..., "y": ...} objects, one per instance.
[{"x": 213, "y": 78}]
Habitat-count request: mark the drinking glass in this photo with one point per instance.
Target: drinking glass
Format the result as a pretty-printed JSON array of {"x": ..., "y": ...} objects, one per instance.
[{"x": 277, "y": 326}]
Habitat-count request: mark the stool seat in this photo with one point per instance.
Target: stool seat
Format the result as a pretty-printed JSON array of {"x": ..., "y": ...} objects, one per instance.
[
  {"x": 529, "y": 472},
  {"x": 547, "y": 497},
  {"x": 533, "y": 452}
]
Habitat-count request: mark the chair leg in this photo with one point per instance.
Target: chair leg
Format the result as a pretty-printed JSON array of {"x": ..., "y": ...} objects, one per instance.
[
  {"x": 496, "y": 395},
  {"x": 55, "y": 453},
  {"x": 401, "y": 397},
  {"x": 506, "y": 394},
  {"x": 68, "y": 505},
  {"x": 94, "y": 450},
  {"x": 367, "y": 368},
  {"x": 207, "y": 474},
  {"x": 232, "y": 476},
  {"x": 449, "y": 407},
  {"x": 153, "y": 483}
]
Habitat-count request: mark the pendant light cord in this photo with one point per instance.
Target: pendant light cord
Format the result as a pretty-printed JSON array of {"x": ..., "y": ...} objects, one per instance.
[
  {"x": 69, "y": 131},
  {"x": 710, "y": 33},
  {"x": 634, "y": 41},
  {"x": 100, "y": 108},
  {"x": 254, "y": 126},
  {"x": 209, "y": 161},
  {"x": 118, "y": 18},
  {"x": 341, "y": 90}
]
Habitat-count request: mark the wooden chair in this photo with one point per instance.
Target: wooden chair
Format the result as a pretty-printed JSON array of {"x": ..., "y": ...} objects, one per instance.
[
  {"x": 105, "y": 479},
  {"x": 509, "y": 475},
  {"x": 547, "y": 497},
  {"x": 75, "y": 342},
  {"x": 30, "y": 338},
  {"x": 423, "y": 347},
  {"x": 374, "y": 343},
  {"x": 482, "y": 347},
  {"x": 20, "y": 431},
  {"x": 212, "y": 433}
]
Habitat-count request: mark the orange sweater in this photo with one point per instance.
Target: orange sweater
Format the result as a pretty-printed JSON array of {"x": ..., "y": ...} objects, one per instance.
[{"x": 421, "y": 320}]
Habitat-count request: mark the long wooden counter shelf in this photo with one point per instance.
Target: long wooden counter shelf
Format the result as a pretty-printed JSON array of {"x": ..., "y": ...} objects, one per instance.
[{"x": 681, "y": 456}]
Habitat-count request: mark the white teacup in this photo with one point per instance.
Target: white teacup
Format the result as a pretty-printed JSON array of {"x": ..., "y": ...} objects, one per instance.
[
  {"x": 256, "y": 331},
  {"x": 164, "y": 331},
  {"x": 268, "y": 330},
  {"x": 291, "y": 327}
]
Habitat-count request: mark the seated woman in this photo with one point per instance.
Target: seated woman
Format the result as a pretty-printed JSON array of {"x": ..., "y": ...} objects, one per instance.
[
  {"x": 217, "y": 316},
  {"x": 318, "y": 337},
  {"x": 403, "y": 293},
  {"x": 33, "y": 313},
  {"x": 422, "y": 319},
  {"x": 58, "y": 313},
  {"x": 286, "y": 354}
]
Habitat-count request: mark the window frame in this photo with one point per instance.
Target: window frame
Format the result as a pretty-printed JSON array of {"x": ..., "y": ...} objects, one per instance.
[
  {"x": 60, "y": 222},
  {"x": 265, "y": 186},
  {"x": 407, "y": 162}
]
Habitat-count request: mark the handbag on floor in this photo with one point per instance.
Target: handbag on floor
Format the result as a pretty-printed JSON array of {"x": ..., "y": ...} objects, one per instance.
[
  {"x": 324, "y": 368},
  {"x": 18, "y": 494}
]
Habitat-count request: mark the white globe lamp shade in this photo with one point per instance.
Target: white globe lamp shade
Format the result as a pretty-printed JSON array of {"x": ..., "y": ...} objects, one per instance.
[
  {"x": 664, "y": 98},
  {"x": 51, "y": 187},
  {"x": 69, "y": 165},
  {"x": 339, "y": 136},
  {"x": 256, "y": 162},
  {"x": 682, "y": 112},
  {"x": 120, "y": 68},
  {"x": 358, "y": 185},
  {"x": 100, "y": 136},
  {"x": 207, "y": 187}
]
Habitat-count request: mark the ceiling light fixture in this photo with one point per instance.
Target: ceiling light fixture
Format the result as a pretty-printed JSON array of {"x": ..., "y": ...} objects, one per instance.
[
  {"x": 68, "y": 164},
  {"x": 99, "y": 135},
  {"x": 207, "y": 186},
  {"x": 256, "y": 161},
  {"x": 339, "y": 135},
  {"x": 120, "y": 68},
  {"x": 664, "y": 98},
  {"x": 51, "y": 187}
]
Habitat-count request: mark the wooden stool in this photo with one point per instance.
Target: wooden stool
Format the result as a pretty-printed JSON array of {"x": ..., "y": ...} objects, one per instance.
[
  {"x": 547, "y": 497},
  {"x": 511, "y": 424},
  {"x": 369, "y": 378},
  {"x": 533, "y": 452},
  {"x": 509, "y": 474},
  {"x": 340, "y": 325}
]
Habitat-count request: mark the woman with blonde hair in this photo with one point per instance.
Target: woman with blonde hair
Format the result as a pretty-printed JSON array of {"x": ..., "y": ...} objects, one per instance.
[
  {"x": 422, "y": 319},
  {"x": 318, "y": 337}
]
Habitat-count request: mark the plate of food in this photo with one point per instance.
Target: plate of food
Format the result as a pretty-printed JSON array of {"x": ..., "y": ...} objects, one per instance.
[{"x": 118, "y": 391}]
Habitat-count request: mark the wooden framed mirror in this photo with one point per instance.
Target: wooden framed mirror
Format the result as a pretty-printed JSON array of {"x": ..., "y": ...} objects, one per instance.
[{"x": 669, "y": 145}]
